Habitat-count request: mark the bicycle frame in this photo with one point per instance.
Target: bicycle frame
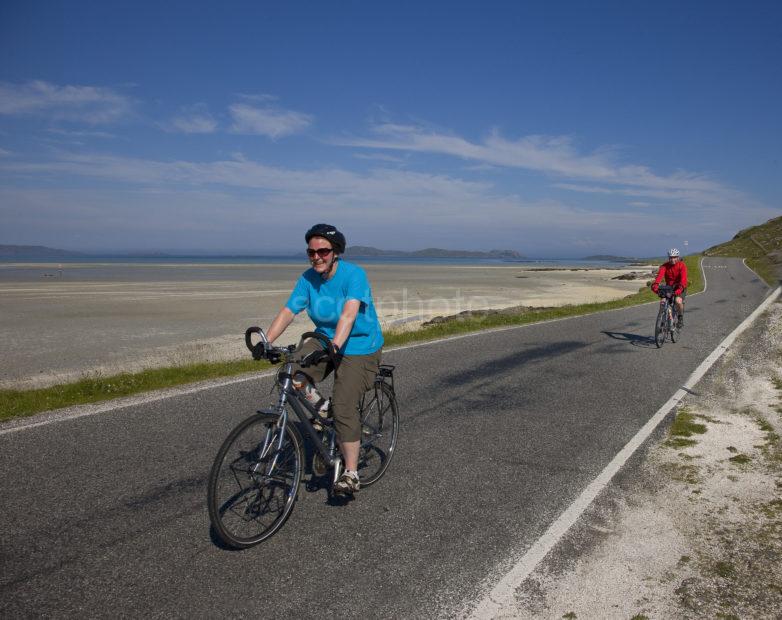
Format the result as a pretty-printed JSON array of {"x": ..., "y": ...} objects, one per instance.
[
  {"x": 290, "y": 396},
  {"x": 328, "y": 450},
  {"x": 666, "y": 306}
]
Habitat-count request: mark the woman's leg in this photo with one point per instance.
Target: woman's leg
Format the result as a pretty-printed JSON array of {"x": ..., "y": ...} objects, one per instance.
[{"x": 355, "y": 375}]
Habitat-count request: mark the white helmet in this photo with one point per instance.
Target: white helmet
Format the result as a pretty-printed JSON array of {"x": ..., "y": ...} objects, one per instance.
[{"x": 673, "y": 252}]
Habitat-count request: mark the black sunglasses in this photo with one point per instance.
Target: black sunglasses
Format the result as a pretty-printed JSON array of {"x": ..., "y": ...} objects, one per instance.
[{"x": 321, "y": 252}]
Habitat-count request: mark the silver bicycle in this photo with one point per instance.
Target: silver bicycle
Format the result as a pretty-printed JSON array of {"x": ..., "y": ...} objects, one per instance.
[
  {"x": 254, "y": 481},
  {"x": 666, "y": 324}
]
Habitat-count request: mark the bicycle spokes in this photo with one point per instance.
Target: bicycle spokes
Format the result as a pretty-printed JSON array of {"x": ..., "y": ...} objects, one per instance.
[
  {"x": 253, "y": 483},
  {"x": 379, "y": 427}
]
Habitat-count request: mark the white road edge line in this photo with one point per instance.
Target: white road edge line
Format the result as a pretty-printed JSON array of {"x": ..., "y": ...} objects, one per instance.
[
  {"x": 80, "y": 411},
  {"x": 499, "y": 602}
]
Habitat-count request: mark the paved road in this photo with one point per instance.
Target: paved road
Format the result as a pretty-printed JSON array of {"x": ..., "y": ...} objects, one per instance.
[{"x": 500, "y": 432}]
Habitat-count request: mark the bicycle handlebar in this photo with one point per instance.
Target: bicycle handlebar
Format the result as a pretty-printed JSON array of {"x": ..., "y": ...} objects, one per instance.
[
  {"x": 264, "y": 350},
  {"x": 664, "y": 290}
]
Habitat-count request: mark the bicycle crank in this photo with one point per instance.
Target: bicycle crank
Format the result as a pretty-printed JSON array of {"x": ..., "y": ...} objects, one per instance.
[{"x": 319, "y": 466}]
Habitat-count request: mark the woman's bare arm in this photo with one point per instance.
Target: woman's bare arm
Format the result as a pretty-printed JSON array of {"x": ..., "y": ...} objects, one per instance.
[{"x": 279, "y": 324}]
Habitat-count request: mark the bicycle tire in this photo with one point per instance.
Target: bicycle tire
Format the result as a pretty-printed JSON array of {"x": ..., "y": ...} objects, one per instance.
[
  {"x": 659, "y": 329},
  {"x": 379, "y": 431},
  {"x": 247, "y": 502}
]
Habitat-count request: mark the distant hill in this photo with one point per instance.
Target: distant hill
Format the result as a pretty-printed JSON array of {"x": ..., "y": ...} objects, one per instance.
[
  {"x": 760, "y": 245},
  {"x": 21, "y": 252},
  {"x": 366, "y": 251}
]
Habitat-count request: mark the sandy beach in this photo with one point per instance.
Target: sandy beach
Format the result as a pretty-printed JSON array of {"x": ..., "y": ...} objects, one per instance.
[{"x": 58, "y": 324}]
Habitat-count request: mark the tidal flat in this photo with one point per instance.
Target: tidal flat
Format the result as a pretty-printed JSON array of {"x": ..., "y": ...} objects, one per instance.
[{"x": 59, "y": 323}]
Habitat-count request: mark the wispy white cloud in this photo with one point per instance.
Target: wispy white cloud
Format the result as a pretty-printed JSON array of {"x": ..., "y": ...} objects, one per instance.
[
  {"x": 244, "y": 173},
  {"x": 192, "y": 119},
  {"x": 258, "y": 97},
  {"x": 721, "y": 197},
  {"x": 267, "y": 121},
  {"x": 80, "y": 134},
  {"x": 378, "y": 204},
  {"x": 87, "y": 104},
  {"x": 4, "y": 153},
  {"x": 553, "y": 155},
  {"x": 379, "y": 157}
]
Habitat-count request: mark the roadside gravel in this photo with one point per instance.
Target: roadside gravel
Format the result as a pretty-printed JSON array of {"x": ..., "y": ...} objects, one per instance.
[{"x": 699, "y": 533}]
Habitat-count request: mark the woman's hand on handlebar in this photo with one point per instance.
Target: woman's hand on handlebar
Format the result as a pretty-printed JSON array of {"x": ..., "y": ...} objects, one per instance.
[{"x": 262, "y": 349}]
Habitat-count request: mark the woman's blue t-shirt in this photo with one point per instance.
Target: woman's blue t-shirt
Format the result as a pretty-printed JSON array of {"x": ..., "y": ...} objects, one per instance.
[{"x": 324, "y": 299}]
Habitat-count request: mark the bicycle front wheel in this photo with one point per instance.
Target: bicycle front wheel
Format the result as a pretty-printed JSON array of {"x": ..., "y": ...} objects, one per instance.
[
  {"x": 379, "y": 429},
  {"x": 254, "y": 481},
  {"x": 659, "y": 329}
]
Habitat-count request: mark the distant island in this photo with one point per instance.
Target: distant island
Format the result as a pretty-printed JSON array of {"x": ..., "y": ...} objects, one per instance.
[
  {"x": 21, "y": 252},
  {"x": 40, "y": 252},
  {"x": 358, "y": 251}
]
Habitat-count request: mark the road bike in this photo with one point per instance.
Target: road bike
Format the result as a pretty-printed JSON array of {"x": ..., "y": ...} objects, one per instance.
[
  {"x": 254, "y": 481},
  {"x": 666, "y": 324}
]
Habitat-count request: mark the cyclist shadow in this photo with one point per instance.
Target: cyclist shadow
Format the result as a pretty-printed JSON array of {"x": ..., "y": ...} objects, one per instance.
[
  {"x": 319, "y": 483},
  {"x": 634, "y": 339}
]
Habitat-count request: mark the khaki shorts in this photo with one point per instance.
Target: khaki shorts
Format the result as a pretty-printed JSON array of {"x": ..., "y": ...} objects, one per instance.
[{"x": 355, "y": 375}]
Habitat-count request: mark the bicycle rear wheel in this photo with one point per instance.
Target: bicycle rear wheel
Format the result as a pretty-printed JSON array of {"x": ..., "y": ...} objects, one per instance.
[
  {"x": 659, "y": 329},
  {"x": 379, "y": 429},
  {"x": 254, "y": 481}
]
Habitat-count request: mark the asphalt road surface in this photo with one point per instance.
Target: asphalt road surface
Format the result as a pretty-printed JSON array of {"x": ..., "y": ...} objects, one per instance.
[{"x": 106, "y": 514}]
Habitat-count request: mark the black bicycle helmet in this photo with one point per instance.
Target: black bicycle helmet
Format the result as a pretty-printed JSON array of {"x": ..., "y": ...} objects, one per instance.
[{"x": 330, "y": 234}]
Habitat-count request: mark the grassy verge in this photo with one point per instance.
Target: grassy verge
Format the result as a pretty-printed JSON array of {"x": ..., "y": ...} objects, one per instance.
[
  {"x": 17, "y": 403},
  {"x": 761, "y": 246}
]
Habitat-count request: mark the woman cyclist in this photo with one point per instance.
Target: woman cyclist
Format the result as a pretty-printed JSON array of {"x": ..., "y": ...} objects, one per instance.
[
  {"x": 675, "y": 273},
  {"x": 337, "y": 297}
]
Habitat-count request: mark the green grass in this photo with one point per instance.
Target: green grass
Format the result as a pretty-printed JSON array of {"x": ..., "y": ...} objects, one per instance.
[
  {"x": 773, "y": 509},
  {"x": 17, "y": 403},
  {"x": 683, "y": 472},
  {"x": 685, "y": 426},
  {"x": 680, "y": 442},
  {"x": 760, "y": 245},
  {"x": 724, "y": 569}
]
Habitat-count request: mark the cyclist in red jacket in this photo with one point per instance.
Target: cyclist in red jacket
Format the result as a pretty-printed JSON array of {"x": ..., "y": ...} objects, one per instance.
[{"x": 675, "y": 273}]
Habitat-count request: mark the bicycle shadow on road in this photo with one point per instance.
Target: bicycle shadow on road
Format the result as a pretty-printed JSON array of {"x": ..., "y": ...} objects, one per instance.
[
  {"x": 509, "y": 363},
  {"x": 217, "y": 542},
  {"x": 634, "y": 339},
  {"x": 323, "y": 483}
]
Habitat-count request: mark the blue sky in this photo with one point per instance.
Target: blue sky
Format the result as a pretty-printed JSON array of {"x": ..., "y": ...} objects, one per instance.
[{"x": 555, "y": 129}]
